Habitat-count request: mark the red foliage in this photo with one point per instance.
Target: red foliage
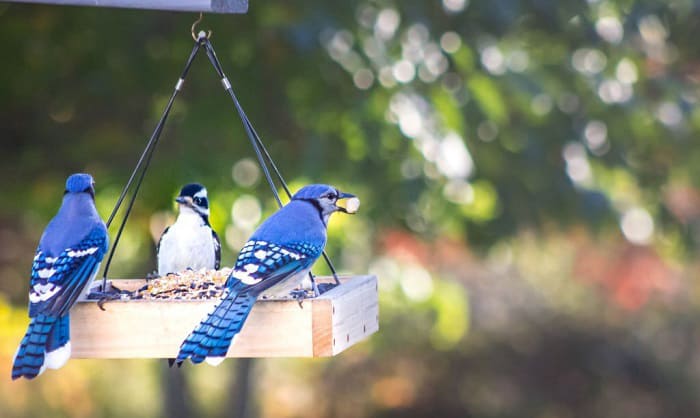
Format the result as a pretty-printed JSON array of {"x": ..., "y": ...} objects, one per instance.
[{"x": 629, "y": 274}]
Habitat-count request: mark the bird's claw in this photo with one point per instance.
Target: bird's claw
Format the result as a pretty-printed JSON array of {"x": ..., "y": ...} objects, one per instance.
[
  {"x": 300, "y": 295},
  {"x": 114, "y": 293},
  {"x": 107, "y": 297}
]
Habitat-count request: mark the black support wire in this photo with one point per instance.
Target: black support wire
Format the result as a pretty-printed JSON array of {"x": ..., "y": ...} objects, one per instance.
[
  {"x": 261, "y": 152},
  {"x": 255, "y": 140},
  {"x": 142, "y": 165}
]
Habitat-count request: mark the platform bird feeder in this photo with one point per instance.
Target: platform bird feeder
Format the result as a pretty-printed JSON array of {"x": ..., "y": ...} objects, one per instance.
[{"x": 320, "y": 327}]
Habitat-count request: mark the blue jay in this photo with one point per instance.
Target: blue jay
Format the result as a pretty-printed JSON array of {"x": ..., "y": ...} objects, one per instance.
[
  {"x": 281, "y": 251},
  {"x": 190, "y": 242},
  {"x": 66, "y": 261}
]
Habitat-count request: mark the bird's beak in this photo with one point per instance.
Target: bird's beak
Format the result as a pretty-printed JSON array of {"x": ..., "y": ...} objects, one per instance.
[
  {"x": 352, "y": 204},
  {"x": 184, "y": 200}
]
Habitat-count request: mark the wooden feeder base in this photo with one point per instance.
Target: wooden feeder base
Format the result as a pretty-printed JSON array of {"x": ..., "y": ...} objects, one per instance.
[{"x": 324, "y": 327}]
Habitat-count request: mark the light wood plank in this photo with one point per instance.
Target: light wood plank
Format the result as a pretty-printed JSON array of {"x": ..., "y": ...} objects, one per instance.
[
  {"x": 355, "y": 314},
  {"x": 275, "y": 328}
]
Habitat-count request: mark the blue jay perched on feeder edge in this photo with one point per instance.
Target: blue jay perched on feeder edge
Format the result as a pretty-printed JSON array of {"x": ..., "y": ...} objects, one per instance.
[
  {"x": 190, "y": 242},
  {"x": 280, "y": 253},
  {"x": 66, "y": 261}
]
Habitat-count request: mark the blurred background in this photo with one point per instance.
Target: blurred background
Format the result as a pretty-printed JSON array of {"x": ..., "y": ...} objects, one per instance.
[{"x": 529, "y": 172}]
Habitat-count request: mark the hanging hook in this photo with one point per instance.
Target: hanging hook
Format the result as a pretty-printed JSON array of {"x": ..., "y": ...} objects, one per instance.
[{"x": 201, "y": 33}]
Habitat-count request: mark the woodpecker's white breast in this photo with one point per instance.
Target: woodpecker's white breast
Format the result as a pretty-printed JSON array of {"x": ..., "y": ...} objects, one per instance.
[{"x": 188, "y": 243}]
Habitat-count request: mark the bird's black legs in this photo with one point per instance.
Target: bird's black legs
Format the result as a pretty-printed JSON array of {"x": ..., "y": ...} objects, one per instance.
[
  {"x": 103, "y": 296},
  {"x": 300, "y": 295},
  {"x": 314, "y": 286}
]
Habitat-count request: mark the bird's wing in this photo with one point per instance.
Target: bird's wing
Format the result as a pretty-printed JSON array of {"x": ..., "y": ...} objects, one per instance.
[
  {"x": 261, "y": 264},
  {"x": 57, "y": 282},
  {"x": 217, "y": 250},
  {"x": 160, "y": 240}
]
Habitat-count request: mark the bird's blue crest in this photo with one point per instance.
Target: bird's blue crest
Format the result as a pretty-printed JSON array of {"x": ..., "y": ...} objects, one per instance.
[
  {"x": 190, "y": 189},
  {"x": 78, "y": 183},
  {"x": 312, "y": 191}
]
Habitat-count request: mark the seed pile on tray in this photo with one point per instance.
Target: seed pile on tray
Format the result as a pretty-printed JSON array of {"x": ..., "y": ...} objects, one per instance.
[{"x": 186, "y": 285}]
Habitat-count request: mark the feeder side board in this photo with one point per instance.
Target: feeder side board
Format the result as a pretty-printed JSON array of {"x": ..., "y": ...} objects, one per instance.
[
  {"x": 209, "y": 6},
  {"x": 155, "y": 329},
  {"x": 355, "y": 313},
  {"x": 325, "y": 326},
  {"x": 322, "y": 328}
]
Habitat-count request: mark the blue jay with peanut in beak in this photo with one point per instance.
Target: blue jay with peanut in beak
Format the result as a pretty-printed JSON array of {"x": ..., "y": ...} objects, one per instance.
[
  {"x": 66, "y": 261},
  {"x": 189, "y": 243},
  {"x": 280, "y": 253}
]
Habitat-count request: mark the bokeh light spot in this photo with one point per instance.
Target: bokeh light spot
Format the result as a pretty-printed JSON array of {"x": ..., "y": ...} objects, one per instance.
[
  {"x": 246, "y": 211},
  {"x": 637, "y": 226}
]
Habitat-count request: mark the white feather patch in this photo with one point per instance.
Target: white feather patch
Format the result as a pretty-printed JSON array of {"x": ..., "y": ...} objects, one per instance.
[
  {"x": 57, "y": 358},
  {"x": 42, "y": 369},
  {"x": 260, "y": 254},
  {"x": 293, "y": 255},
  {"x": 251, "y": 268},
  {"x": 41, "y": 293},
  {"x": 16, "y": 352},
  {"x": 214, "y": 361},
  {"x": 51, "y": 260},
  {"x": 46, "y": 273},
  {"x": 43, "y": 287},
  {"x": 82, "y": 253},
  {"x": 245, "y": 277}
]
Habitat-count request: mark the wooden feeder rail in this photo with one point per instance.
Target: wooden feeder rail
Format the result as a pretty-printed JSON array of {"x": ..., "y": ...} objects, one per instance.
[{"x": 325, "y": 326}]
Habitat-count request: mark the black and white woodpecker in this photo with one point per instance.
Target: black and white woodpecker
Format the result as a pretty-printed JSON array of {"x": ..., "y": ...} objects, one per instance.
[{"x": 189, "y": 243}]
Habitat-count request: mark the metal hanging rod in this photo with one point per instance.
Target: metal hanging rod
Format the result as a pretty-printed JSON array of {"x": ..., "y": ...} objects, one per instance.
[{"x": 207, "y": 6}]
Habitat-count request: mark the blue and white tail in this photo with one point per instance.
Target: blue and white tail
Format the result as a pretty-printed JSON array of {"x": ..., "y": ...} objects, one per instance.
[
  {"x": 212, "y": 338},
  {"x": 46, "y": 344}
]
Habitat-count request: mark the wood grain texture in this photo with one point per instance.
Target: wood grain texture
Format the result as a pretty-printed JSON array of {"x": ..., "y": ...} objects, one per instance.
[
  {"x": 355, "y": 313},
  {"x": 210, "y": 6},
  {"x": 325, "y": 326}
]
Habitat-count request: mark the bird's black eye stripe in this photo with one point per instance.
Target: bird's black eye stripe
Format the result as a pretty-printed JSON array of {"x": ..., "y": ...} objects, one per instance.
[{"x": 202, "y": 202}]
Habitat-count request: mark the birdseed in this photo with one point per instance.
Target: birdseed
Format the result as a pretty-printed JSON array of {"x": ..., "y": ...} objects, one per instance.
[{"x": 186, "y": 285}]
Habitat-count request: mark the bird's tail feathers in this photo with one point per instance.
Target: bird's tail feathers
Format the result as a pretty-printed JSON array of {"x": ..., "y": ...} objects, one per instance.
[
  {"x": 212, "y": 338},
  {"x": 46, "y": 344},
  {"x": 58, "y": 347}
]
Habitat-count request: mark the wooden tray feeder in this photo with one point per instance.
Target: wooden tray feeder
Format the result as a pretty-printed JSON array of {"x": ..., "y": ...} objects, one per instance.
[
  {"x": 147, "y": 328},
  {"x": 322, "y": 327}
]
